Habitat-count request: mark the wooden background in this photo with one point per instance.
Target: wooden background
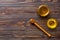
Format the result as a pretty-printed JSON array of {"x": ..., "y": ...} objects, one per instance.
[{"x": 15, "y": 16}]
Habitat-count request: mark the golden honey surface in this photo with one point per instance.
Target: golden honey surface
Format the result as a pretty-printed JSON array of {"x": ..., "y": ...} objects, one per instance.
[
  {"x": 43, "y": 10},
  {"x": 52, "y": 23}
]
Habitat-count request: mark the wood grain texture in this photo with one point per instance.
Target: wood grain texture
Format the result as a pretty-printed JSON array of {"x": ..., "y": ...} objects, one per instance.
[{"x": 15, "y": 16}]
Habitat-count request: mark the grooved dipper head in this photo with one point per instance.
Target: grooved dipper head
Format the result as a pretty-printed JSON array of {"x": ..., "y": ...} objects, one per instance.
[{"x": 32, "y": 20}]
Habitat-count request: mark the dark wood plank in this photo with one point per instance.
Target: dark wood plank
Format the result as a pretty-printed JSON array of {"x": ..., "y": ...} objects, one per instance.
[{"x": 15, "y": 15}]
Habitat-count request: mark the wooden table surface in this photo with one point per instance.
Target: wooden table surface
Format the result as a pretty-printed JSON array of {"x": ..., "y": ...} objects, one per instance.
[{"x": 15, "y": 16}]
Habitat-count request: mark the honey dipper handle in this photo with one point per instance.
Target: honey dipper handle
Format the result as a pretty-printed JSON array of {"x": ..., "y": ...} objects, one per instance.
[{"x": 48, "y": 34}]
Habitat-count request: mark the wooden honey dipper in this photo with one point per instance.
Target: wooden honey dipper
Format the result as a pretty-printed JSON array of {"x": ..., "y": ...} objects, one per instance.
[{"x": 37, "y": 25}]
